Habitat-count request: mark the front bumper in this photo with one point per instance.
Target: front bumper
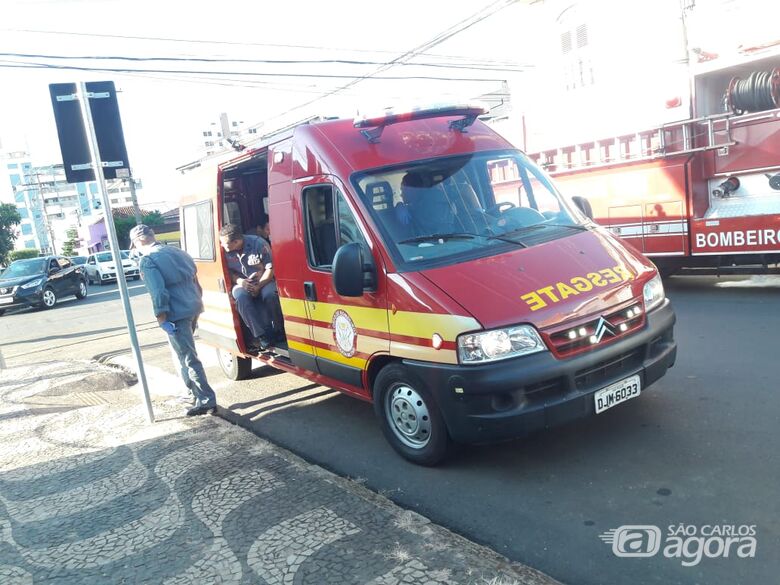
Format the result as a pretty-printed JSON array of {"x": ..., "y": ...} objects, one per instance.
[
  {"x": 22, "y": 297},
  {"x": 512, "y": 398},
  {"x": 129, "y": 273}
]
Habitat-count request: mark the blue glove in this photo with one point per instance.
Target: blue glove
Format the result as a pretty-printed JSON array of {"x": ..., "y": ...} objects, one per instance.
[
  {"x": 169, "y": 327},
  {"x": 402, "y": 214}
]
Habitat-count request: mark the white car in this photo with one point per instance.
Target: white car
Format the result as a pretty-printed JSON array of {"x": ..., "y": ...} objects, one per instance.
[{"x": 100, "y": 267}]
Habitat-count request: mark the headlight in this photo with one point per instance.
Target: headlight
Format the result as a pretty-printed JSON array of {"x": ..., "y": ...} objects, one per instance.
[
  {"x": 33, "y": 283},
  {"x": 654, "y": 293},
  {"x": 499, "y": 344}
]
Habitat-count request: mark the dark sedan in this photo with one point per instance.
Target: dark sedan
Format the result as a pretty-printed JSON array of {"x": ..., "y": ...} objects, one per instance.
[{"x": 40, "y": 282}]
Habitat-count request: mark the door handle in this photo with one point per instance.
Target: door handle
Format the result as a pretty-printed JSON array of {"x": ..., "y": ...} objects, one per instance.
[
  {"x": 221, "y": 285},
  {"x": 310, "y": 291}
]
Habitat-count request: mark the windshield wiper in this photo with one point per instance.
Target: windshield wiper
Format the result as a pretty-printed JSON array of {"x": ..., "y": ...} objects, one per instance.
[
  {"x": 528, "y": 228},
  {"x": 443, "y": 236}
]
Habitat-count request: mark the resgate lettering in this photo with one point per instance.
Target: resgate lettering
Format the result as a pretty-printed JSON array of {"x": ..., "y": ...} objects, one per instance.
[{"x": 560, "y": 291}]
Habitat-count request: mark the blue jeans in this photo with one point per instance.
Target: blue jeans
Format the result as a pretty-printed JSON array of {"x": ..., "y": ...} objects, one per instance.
[
  {"x": 263, "y": 313},
  {"x": 192, "y": 372}
]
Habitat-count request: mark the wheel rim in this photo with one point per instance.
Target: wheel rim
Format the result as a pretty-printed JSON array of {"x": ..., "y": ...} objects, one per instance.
[
  {"x": 49, "y": 298},
  {"x": 82, "y": 289},
  {"x": 408, "y": 416},
  {"x": 226, "y": 359}
]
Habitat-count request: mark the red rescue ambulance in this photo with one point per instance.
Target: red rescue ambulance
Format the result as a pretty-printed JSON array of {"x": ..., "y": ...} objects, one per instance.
[{"x": 426, "y": 265}]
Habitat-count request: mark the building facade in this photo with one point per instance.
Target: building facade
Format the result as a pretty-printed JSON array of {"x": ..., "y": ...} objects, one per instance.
[{"x": 49, "y": 206}]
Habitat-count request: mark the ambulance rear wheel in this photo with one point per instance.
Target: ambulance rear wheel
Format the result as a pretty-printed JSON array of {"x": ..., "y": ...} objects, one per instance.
[
  {"x": 233, "y": 366},
  {"x": 409, "y": 416}
]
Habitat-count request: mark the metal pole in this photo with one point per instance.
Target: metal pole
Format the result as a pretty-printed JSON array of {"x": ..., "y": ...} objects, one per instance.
[
  {"x": 86, "y": 111},
  {"x": 136, "y": 210}
]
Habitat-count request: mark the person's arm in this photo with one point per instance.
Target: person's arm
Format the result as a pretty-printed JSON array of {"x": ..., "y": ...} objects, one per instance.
[{"x": 155, "y": 284}]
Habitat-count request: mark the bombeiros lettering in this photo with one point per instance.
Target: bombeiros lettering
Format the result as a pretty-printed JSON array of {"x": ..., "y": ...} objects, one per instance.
[
  {"x": 758, "y": 237},
  {"x": 560, "y": 291}
]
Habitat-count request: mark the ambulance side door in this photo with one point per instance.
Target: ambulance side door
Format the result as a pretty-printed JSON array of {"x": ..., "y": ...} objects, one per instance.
[{"x": 346, "y": 331}]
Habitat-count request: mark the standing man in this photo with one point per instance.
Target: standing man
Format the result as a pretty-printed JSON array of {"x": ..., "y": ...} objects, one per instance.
[{"x": 171, "y": 279}]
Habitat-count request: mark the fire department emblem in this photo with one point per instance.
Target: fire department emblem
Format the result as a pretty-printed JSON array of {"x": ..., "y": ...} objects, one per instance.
[{"x": 344, "y": 333}]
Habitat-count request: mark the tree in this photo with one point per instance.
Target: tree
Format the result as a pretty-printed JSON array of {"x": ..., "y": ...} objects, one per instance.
[
  {"x": 14, "y": 255},
  {"x": 9, "y": 217},
  {"x": 124, "y": 224},
  {"x": 70, "y": 244}
]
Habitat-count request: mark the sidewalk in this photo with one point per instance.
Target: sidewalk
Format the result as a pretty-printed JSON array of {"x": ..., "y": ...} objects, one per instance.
[{"x": 91, "y": 493}]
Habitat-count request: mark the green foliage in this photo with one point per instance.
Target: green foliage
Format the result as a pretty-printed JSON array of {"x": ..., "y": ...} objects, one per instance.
[
  {"x": 9, "y": 217},
  {"x": 23, "y": 254},
  {"x": 125, "y": 224},
  {"x": 70, "y": 244}
]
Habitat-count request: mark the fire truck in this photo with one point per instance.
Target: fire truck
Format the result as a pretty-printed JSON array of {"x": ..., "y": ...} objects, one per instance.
[{"x": 700, "y": 194}]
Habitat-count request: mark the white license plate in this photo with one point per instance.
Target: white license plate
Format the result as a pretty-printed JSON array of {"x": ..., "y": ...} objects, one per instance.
[
  {"x": 616, "y": 393},
  {"x": 6, "y": 301}
]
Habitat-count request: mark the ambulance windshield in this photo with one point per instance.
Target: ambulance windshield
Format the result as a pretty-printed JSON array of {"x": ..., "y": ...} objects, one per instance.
[{"x": 455, "y": 209}]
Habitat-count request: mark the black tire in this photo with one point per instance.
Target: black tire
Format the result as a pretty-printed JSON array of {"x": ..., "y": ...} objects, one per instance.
[
  {"x": 2, "y": 312},
  {"x": 234, "y": 367},
  {"x": 82, "y": 289},
  {"x": 49, "y": 298},
  {"x": 418, "y": 432}
]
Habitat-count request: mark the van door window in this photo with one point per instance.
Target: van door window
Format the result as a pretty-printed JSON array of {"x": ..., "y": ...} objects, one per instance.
[
  {"x": 327, "y": 231},
  {"x": 198, "y": 230}
]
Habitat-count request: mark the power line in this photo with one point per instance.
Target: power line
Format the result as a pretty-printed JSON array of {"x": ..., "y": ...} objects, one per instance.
[
  {"x": 455, "y": 29},
  {"x": 31, "y": 65},
  {"x": 264, "y": 61},
  {"x": 230, "y": 43}
]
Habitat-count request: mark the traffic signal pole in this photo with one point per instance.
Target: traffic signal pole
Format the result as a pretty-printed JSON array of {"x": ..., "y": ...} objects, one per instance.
[{"x": 83, "y": 97}]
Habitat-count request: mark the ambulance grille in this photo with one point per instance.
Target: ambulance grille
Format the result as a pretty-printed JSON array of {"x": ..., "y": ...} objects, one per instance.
[{"x": 582, "y": 336}]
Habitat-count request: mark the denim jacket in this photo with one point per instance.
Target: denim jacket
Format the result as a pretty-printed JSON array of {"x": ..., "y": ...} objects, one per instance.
[{"x": 170, "y": 277}]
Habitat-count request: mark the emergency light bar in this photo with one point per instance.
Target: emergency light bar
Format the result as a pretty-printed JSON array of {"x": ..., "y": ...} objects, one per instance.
[{"x": 374, "y": 125}]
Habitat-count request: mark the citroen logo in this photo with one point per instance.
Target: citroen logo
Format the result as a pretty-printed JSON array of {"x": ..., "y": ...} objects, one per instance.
[{"x": 603, "y": 327}]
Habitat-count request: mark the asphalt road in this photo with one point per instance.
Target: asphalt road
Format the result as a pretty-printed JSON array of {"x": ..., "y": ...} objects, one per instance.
[{"x": 697, "y": 448}]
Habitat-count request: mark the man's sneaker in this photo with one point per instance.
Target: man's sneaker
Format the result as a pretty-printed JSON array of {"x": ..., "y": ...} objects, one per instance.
[
  {"x": 186, "y": 399},
  {"x": 260, "y": 343},
  {"x": 202, "y": 409}
]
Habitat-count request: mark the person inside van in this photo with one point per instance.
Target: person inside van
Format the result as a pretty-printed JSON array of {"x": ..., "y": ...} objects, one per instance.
[
  {"x": 254, "y": 290},
  {"x": 425, "y": 208},
  {"x": 263, "y": 229}
]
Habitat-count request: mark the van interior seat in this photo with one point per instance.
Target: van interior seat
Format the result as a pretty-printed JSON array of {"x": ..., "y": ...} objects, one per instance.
[
  {"x": 432, "y": 210},
  {"x": 380, "y": 197}
]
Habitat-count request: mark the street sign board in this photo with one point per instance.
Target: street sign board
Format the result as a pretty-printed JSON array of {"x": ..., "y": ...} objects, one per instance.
[{"x": 72, "y": 133}]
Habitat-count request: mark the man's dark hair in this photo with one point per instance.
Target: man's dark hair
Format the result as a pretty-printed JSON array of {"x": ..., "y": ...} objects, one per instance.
[{"x": 232, "y": 232}]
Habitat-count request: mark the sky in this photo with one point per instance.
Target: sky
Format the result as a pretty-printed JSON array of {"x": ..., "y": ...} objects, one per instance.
[{"x": 164, "y": 113}]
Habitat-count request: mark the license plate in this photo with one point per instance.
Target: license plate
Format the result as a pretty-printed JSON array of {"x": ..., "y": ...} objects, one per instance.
[
  {"x": 616, "y": 393},
  {"x": 6, "y": 301}
]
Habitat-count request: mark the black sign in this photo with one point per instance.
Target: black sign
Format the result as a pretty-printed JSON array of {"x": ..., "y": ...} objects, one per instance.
[{"x": 73, "y": 133}]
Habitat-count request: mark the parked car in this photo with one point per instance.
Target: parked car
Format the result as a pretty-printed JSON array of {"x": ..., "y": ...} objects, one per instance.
[
  {"x": 78, "y": 260},
  {"x": 40, "y": 282},
  {"x": 100, "y": 267}
]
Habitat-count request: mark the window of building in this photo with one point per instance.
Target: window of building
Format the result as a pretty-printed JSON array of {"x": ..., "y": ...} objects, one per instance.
[
  {"x": 13, "y": 166},
  {"x": 198, "y": 229},
  {"x": 23, "y": 213},
  {"x": 235, "y": 124},
  {"x": 27, "y": 229},
  {"x": 207, "y": 133},
  {"x": 576, "y": 59},
  {"x": 30, "y": 244},
  {"x": 252, "y": 131},
  {"x": 326, "y": 232},
  {"x": 209, "y": 143}
]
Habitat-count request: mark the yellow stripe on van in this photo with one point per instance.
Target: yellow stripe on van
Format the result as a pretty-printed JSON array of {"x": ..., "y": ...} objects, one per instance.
[
  {"x": 293, "y": 307},
  {"x": 302, "y": 347},
  {"x": 362, "y": 317},
  {"x": 426, "y": 354},
  {"x": 334, "y": 356},
  {"x": 426, "y": 324}
]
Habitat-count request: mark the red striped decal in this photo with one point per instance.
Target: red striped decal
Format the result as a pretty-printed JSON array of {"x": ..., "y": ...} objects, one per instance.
[{"x": 423, "y": 341}]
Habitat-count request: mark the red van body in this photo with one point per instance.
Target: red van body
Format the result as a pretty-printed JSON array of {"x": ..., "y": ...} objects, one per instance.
[{"x": 476, "y": 334}]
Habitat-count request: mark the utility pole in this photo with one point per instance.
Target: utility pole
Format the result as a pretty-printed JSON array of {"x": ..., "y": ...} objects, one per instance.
[{"x": 136, "y": 210}]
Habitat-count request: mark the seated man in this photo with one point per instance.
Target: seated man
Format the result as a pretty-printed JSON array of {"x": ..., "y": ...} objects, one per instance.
[
  {"x": 424, "y": 207},
  {"x": 257, "y": 299}
]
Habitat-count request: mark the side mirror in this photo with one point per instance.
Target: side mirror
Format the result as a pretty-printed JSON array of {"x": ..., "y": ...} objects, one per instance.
[
  {"x": 583, "y": 205},
  {"x": 352, "y": 274}
]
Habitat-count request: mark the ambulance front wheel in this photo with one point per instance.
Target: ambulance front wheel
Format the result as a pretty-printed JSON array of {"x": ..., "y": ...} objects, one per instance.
[
  {"x": 409, "y": 416},
  {"x": 233, "y": 366}
]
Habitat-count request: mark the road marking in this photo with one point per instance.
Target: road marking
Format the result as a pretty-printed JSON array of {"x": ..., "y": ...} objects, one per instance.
[{"x": 116, "y": 290}]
